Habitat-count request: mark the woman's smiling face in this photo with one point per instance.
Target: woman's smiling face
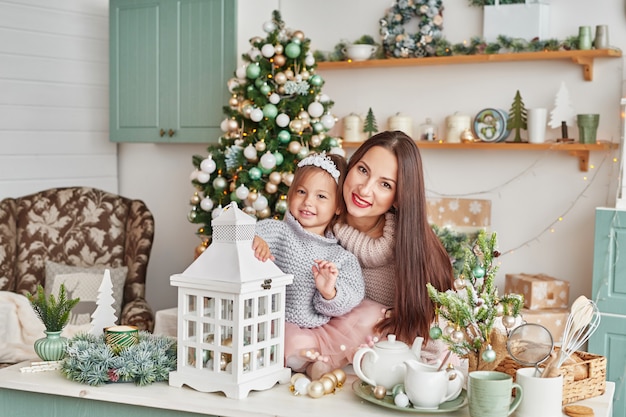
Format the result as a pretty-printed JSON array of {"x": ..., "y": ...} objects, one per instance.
[{"x": 370, "y": 187}]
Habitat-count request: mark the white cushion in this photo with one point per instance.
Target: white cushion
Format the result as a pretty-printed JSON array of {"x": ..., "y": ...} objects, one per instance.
[{"x": 84, "y": 282}]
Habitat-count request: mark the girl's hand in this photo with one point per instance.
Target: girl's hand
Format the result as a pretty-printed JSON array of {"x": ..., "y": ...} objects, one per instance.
[
  {"x": 261, "y": 249},
  {"x": 325, "y": 274}
]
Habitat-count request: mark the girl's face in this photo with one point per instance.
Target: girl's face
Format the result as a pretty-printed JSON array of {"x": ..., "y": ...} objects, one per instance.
[
  {"x": 370, "y": 186},
  {"x": 314, "y": 201}
]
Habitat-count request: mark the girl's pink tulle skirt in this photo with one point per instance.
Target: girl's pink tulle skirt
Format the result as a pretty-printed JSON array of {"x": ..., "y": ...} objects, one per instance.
[{"x": 334, "y": 343}]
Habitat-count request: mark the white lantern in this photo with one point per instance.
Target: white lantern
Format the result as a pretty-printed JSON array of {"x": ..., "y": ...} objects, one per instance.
[{"x": 231, "y": 314}]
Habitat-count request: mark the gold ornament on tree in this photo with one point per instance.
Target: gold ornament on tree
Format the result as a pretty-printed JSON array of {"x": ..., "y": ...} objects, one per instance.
[{"x": 473, "y": 309}]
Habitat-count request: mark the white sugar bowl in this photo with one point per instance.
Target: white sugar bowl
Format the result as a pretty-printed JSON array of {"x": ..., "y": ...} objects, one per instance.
[{"x": 359, "y": 52}]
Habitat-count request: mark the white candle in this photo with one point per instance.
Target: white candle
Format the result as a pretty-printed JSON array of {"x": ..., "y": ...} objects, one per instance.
[
  {"x": 352, "y": 128},
  {"x": 455, "y": 125}
]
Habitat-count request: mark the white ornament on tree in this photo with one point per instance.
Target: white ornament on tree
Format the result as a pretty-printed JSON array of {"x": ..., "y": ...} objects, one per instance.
[{"x": 104, "y": 315}]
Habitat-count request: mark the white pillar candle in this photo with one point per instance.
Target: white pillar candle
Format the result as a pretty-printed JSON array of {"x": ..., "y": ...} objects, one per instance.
[{"x": 352, "y": 128}]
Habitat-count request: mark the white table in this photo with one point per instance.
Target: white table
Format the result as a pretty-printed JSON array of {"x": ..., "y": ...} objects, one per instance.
[{"x": 50, "y": 394}]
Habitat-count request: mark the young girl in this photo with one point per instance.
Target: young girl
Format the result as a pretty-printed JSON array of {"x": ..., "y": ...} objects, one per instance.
[{"x": 327, "y": 278}]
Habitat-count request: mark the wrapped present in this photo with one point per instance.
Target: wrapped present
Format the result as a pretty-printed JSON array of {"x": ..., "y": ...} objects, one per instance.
[
  {"x": 539, "y": 290},
  {"x": 553, "y": 319}
]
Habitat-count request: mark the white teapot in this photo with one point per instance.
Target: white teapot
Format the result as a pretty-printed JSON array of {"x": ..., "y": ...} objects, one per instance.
[{"x": 384, "y": 363}]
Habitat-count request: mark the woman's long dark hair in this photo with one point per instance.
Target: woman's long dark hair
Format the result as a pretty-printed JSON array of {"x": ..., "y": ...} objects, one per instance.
[{"x": 420, "y": 256}]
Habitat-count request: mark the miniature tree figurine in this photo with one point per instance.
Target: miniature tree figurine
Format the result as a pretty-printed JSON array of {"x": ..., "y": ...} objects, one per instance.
[
  {"x": 104, "y": 315},
  {"x": 563, "y": 114},
  {"x": 517, "y": 117},
  {"x": 472, "y": 310},
  {"x": 370, "y": 127}
]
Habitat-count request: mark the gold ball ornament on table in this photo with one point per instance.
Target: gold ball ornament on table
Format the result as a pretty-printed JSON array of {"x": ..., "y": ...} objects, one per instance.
[
  {"x": 327, "y": 384},
  {"x": 379, "y": 391}
]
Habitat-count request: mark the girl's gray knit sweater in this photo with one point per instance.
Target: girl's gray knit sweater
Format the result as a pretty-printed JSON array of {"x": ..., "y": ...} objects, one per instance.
[{"x": 295, "y": 249}]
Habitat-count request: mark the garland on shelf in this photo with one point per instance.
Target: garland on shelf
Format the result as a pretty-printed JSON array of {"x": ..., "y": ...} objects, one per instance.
[
  {"x": 91, "y": 361},
  {"x": 397, "y": 43},
  {"x": 478, "y": 46}
]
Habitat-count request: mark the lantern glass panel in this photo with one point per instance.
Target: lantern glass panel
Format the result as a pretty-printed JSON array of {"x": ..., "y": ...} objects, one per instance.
[
  {"x": 208, "y": 307},
  {"x": 248, "y": 308},
  {"x": 262, "y": 308},
  {"x": 190, "y": 334},
  {"x": 226, "y": 311},
  {"x": 191, "y": 356},
  {"x": 276, "y": 303},
  {"x": 248, "y": 335},
  {"x": 261, "y": 331},
  {"x": 226, "y": 336},
  {"x": 272, "y": 357},
  {"x": 191, "y": 303},
  {"x": 275, "y": 329},
  {"x": 208, "y": 332}
]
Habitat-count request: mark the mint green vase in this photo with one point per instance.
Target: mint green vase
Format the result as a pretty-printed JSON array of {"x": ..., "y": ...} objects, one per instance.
[{"x": 51, "y": 347}]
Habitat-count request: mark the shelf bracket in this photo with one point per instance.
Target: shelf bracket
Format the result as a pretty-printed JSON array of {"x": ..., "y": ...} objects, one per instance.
[
  {"x": 583, "y": 159},
  {"x": 587, "y": 63}
]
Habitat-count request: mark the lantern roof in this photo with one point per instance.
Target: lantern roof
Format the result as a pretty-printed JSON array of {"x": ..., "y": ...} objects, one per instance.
[{"x": 230, "y": 257}]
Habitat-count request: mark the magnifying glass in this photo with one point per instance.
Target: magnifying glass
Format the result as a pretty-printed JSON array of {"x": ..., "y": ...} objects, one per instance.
[{"x": 530, "y": 345}]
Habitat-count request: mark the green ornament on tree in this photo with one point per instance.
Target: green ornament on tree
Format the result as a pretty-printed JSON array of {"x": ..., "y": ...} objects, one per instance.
[{"x": 269, "y": 111}]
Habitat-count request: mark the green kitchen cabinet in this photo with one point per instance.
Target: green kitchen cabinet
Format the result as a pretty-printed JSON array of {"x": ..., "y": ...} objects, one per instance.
[
  {"x": 609, "y": 292},
  {"x": 169, "y": 64}
]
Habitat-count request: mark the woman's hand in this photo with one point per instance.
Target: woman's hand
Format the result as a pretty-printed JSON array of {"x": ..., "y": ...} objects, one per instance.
[
  {"x": 261, "y": 249},
  {"x": 325, "y": 274}
]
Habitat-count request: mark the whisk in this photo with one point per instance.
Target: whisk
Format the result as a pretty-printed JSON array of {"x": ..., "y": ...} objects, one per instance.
[{"x": 582, "y": 322}]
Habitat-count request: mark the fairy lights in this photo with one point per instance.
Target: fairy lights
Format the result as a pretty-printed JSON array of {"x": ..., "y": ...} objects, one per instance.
[{"x": 550, "y": 228}]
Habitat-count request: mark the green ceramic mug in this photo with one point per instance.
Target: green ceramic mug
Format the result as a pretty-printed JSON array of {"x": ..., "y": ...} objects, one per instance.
[
  {"x": 588, "y": 127},
  {"x": 489, "y": 394}
]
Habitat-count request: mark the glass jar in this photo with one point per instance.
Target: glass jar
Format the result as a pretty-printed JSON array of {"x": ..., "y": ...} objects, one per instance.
[{"x": 427, "y": 130}]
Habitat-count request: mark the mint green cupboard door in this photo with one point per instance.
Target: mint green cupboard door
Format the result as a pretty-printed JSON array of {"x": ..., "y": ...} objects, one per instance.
[
  {"x": 169, "y": 63},
  {"x": 609, "y": 292}
]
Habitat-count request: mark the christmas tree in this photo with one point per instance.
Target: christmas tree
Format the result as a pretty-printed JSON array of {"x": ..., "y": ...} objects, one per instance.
[
  {"x": 370, "y": 127},
  {"x": 517, "y": 117},
  {"x": 275, "y": 117},
  {"x": 471, "y": 311}
]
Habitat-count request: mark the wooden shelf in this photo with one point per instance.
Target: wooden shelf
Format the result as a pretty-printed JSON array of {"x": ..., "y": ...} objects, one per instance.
[
  {"x": 579, "y": 150},
  {"x": 583, "y": 58}
]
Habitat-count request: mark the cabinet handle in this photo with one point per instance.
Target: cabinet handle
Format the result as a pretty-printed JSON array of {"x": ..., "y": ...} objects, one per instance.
[
  {"x": 171, "y": 132},
  {"x": 161, "y": 132}
]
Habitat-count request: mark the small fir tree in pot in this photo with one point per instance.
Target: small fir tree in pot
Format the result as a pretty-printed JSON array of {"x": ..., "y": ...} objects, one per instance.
[
  {"x": 471, "y": 311},
  {"x": 54, "y": 313}
]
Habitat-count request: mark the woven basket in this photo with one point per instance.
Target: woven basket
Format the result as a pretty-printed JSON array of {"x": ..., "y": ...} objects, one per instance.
[{"x": 573, "y": 390}]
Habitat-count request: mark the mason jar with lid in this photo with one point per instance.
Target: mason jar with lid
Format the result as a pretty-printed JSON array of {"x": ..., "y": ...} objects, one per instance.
[{"x": 427, "y": 130}]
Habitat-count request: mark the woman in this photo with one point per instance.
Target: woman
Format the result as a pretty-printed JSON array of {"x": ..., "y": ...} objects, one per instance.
[{"x": 385, "y": 225}]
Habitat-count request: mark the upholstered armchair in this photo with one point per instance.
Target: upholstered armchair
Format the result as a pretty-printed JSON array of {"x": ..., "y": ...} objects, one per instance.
[{"x": 78, "y": 227}]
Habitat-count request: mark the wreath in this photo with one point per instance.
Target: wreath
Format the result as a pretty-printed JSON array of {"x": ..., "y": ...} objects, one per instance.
[
  {"x": 91, "y": 361},
  {"x": 399, "y": 44}
]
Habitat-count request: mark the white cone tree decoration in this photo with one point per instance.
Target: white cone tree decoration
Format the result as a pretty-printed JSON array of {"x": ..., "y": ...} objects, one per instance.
[{"x": 104, "y": 315}]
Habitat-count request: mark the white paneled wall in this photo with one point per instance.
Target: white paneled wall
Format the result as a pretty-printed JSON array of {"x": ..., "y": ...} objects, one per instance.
[{"x": 54, "y": 96}]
